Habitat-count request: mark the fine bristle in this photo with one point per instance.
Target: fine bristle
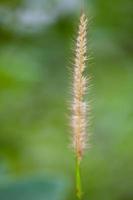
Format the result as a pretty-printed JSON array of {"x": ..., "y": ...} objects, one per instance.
[{"x": 79, "y": 106}]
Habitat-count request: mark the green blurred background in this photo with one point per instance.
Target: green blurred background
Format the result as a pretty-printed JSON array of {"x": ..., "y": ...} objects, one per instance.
[{"x": 36, "y": 42}]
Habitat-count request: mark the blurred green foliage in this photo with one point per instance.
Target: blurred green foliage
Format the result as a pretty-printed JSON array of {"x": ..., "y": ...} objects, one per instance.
[
  {"x": 33, "y": 189},
  {"x": 34, "y": 88}
]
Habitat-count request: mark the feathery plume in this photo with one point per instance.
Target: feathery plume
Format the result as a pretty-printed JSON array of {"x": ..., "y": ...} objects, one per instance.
[{"x": 79, "y": 106}]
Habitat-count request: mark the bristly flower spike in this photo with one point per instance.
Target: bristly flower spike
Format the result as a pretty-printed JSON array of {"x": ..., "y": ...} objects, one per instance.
[{"x": 79, "y": 106}]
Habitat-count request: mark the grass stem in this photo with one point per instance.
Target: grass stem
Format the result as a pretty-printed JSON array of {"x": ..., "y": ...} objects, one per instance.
[{"x": 78, "y": 180}]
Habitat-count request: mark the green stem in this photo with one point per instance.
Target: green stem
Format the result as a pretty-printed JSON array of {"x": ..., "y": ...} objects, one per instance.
[{"x": 78, "y": 180}]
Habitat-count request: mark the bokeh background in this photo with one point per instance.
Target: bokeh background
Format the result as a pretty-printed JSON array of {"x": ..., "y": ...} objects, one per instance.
[{"x": 36, "y": 42}]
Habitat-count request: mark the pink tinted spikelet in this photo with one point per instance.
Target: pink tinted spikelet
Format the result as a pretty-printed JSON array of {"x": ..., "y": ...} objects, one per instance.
[{"x": 79, "y": 107}]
